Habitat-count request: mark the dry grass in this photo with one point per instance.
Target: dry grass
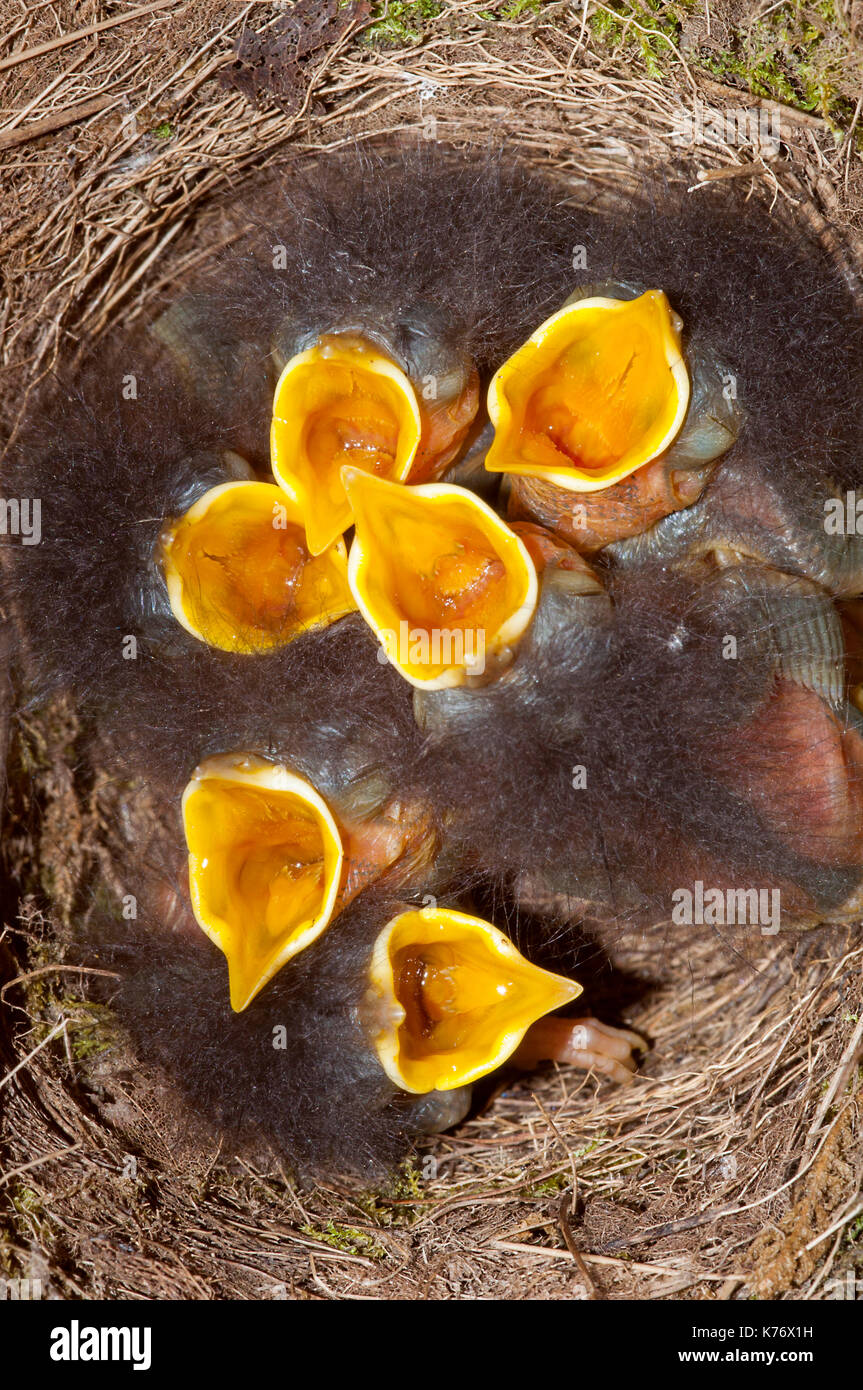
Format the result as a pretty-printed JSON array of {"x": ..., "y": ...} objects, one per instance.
[{"x": 732, "y": 1166}]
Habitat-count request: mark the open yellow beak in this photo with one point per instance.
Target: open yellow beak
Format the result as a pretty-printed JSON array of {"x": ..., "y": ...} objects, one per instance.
[
  {"x": 451, "y": 998},
  {"x": 340, "y": 402},
  {"x": 599, "y": 390},
  {"x": 265, "y": 864},
  {"x": 443, "y": 582},
  {"x": 239, "y": 573}
]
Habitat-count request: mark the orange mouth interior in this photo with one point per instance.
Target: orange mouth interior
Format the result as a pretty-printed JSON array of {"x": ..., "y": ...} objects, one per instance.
[
  {"x": 598, "y": 392},
  {"x": 430, "y": 557},
  {"x": 240, "y": 574},
  {"x": 265, "y": 862},
  {"x": 339, "y": 403},
  {"x": 464, "y": 998},
  {"x": 270, "y": 866}
]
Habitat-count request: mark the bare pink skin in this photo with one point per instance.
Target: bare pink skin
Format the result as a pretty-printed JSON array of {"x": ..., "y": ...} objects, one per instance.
[{"x": 581, "y": 1042}]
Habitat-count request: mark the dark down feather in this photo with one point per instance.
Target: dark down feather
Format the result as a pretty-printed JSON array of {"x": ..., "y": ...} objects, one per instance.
[
  {"x": 634, "y": 690},
  {"x": 490, "y": 246},
  {"x": 315, "y": 1092},
  {"x": 691, "y": 759}
]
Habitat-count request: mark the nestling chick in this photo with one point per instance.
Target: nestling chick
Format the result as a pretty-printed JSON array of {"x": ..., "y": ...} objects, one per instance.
[{"x": 248, "y": 560}]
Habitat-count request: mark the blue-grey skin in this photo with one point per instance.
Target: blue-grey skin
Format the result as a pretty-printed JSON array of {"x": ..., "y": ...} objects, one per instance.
[{"x": 416, "y": 337}]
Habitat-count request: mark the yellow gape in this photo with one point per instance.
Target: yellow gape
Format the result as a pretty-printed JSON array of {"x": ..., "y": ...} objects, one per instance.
[
  {"x": 265, "y": 864},
  {"x": 340, "y": 402},
  {"x": 450, "y": 998},
  {"x": 444, "y": 583},
  {"x": 595, "y": 393},
  {"x": 240, "y": 575}
]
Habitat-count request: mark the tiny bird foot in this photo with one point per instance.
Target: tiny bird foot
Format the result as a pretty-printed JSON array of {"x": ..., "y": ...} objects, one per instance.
[{"x": 581, "y": 1042}]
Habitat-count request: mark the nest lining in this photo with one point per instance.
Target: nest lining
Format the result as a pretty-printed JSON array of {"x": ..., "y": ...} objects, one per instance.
[{"x": 750, "y": 1084}]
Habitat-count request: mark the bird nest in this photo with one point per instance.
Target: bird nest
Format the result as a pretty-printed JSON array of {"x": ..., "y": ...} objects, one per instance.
[{"x": 732, "y": 1166}]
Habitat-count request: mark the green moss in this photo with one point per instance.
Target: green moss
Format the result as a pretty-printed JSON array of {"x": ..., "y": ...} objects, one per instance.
[
  {"x": 559, "y": 1182},
  {"x": 31, "y": 750},
  {"x": 107, "y": 904},
  {"x": 164, "y": 130},
  {"x": 799, "y": 54},
  {"x": 91, "y": 1027},
  {"x": 650, "y": 29},
  {"x": 517, "y": 8},
  {"x": 48, "y": 882},
  {"x": 402, "y": 23},
  {"x": 399, "y": 1203},
  {"x": 347, "y": 1238},
  {"x": 407, "y": 1184},
  {"x": 30, "y": 1216},
  {"x": 549, "y": 1187},
  {"x": 591, "y": 1144}
]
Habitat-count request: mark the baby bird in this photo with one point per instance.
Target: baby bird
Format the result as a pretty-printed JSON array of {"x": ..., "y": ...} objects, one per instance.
[{"x": 415, "y": 571}]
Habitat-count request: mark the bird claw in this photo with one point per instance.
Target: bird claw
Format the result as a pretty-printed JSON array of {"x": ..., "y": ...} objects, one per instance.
[{"x": 582, "y": 1042}]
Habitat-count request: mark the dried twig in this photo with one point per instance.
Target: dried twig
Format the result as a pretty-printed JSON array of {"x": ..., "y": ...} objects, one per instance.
[
  {"x": 52, "y": 970},
  {"x": 63, "y": 40},
  {"x": 57, "y": 121}
]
